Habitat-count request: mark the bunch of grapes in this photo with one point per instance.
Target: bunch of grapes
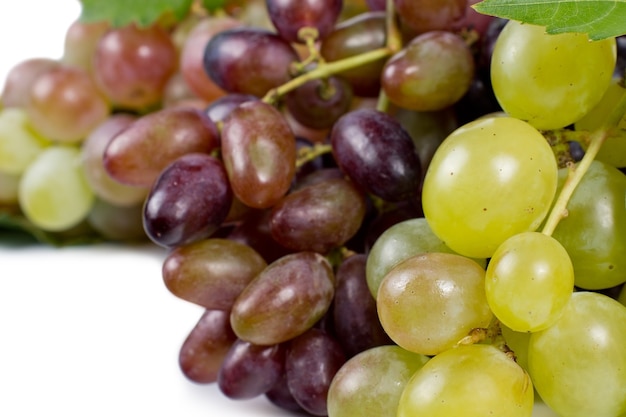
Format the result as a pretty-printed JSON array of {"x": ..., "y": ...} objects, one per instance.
[{"x": 384, "y": 208}]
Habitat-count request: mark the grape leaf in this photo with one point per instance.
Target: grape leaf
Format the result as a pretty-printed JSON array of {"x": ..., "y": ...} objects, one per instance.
[
  {"x": 123, "y": 12},
  {"x": 600, "y": 19}
]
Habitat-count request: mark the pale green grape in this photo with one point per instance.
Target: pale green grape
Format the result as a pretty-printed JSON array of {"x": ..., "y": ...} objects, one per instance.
[
  {"x": 370, "y": 384},
  {"x": 19, "y": 144},
  {"x": 622, "y": 296},
  {"x": 397, "y": 243},
  {"x": 9, "y": 184},
  {"x": 489, "y": 180},
  {"x": 429, "y": 302},
  {"x": 529, "y": 281},
  {"x": 613, "y": 150},
  {"x": 518, "y": 343},
  {"x": 578, "y": 365},
  {"x": 53, "y": 192},
  {"x": 539, "y": 77},
  {"x": 469, "y": 381},
  {"x": 594, "y": 231}
]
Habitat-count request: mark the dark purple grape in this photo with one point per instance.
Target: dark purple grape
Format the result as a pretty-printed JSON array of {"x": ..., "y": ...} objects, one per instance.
[
  {"x": 375, "y": 151},
  {"x": 249, "y": 370},
  {"x": 249, "y": 60},
  {"x": 221, "y": 107},
  {"x": 318, "y": 217},
  {"x": 289, "y": 16},
  {"x": 201, "y": 355},
  {"x": 319, "y": 103},
  {"x": 211, "y": 272},
  {"x": 254, "y": 231},
  {"x": 188, "y": 201},
  {"x": 259, "y": 153},
  {"x": 281, "y": 397},
  {"x": 285, "y": 300},
  {"x": 362, "y": 33},
  {"x": 312, "y": 361},
  {"x": 356, "y": 323}
]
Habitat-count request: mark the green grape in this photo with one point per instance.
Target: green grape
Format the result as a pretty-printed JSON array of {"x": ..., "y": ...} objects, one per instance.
[
  {"x": 622, "y": 296},
  {"x": 578, "y": 365},
  {"x": 429, "y": 302},
  {"x": 613, "y": 150},
  {"x": 594, "y": 231},
  {"x": 518, "y": 343},
  {"x": 538, "y": 77},
  {"x": 470, "y": 381},
  {"x": 9, "y": 185},
  {"x": 19, "y": 143},
  {"x": 529, "y": 281},
  {"x": 53, "y": 193},
  {"x": 489, "y": 180},
  {"x": 398, "y": 243},
  {"x": 370, "y": 384}
]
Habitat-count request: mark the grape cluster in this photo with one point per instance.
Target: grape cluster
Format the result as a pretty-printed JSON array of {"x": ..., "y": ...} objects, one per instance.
[{"x": 384, "y": 208}]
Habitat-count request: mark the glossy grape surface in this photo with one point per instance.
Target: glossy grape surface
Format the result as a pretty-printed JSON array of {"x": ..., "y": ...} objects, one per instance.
[
  {"x": 476, "y": 380},
  {"x": 289, "y": 16},
  {"x": 431, "y": 301},
  {"x": 489, "y": 180},
  {"x": 538, "y": 77},
  {"x": 578, "y": 365},
  {"x": 529, "y": 280},
  {"x": 284, "y": 300},
  {"x": 370, "y": 384}
]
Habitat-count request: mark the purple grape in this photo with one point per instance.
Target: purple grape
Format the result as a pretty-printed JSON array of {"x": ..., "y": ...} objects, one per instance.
[
  {"x": 289, "y": 16},
  {"x": 188, "y": 201},
  {"x": 375, "y": 151}
]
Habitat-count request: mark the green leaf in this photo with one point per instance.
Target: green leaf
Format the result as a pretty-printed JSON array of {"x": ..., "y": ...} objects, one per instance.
[
  {"x": 213, "y": 5},
  {"x": 123, "y": 12},
  {"x": 599, "y": 19}
]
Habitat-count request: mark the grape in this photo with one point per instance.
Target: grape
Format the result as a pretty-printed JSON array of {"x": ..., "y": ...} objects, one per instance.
[
  {"x": 285, "y": 300},
  {"x": 191, "y": 66},
  {"x": 211, "y": 272},
  {"x": 137, "y": 155},
  {"x": 319, "y": 103},
  {"x": 280, "y": 395},
  {"x": 19, "y": 143},
  {"x": 518, "y": 343},
  {"x": 355, "y": 319},
  {"x": 65, "y": 105},
  {"x": 289, "y": 16},
  {"x": 188, "y": 202},
  {"x": 80, "y": 43},
  {"x": 489, "y": 180},
  {"x": 475, "y": 380},
  {"x": 622, "y": 296},
  {"x": 117, "y": 223},
  {"x": 429, "y": 302},
  {"x": 398, "y": 243},
  {"x": 594, "y": 231},
  {"x": 362, "y": 33},
  {"x": 613, "y": 150},
  {"x": 9, "y": 185},
  {"x": 427, "y": 15},
  {"x": 221, "y": 107},
  {"x": 370, "y": 384},
  {"x": 259, "y": 153},
  {"x": 377, "y": 5},
  {"x": 313, "y": 359},
  {"x": 375, "y": 151},
  {"x": 249, "y": 370},
  {"x": 92, "y": 153},
  {"x": 319, "y": 217},
  {"x": 53, "y": 192},
  {"x": 132, "y": 65},
  {"x": 19, "y": 80},
  {"x": 432, "y": 72},
  {"x": 529, "y": 280},
  {"x": 578, "y": 365},
  {"x": 538, "y": 77},
  {"x": 248, "y": 60},
  {"x": 205, "y": 347}
]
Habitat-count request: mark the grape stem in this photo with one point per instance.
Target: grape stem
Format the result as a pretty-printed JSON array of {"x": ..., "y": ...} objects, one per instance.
[
  {"x": 575, "y": 175},
  {"x": 394, "y": 43}
]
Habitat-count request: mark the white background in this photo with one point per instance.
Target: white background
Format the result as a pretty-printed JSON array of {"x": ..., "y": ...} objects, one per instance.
[{"x": 91, "y": 331}]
